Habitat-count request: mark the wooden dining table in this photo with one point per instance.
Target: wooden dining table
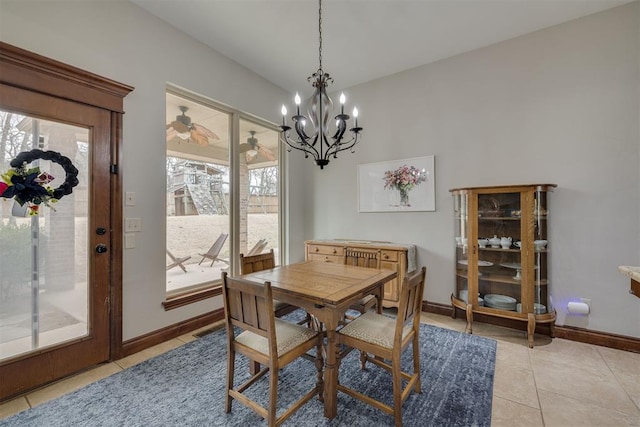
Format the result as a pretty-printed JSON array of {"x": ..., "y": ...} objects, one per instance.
[{"x": 325, "y": 290}]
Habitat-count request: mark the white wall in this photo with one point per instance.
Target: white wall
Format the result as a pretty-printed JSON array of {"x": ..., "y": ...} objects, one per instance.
[
  {"x": 556, "y": 106},
  {"x": 120, "y": 41}
]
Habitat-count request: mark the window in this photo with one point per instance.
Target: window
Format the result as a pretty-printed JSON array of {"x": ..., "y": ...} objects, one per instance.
[{"x": 205, "y": 233}]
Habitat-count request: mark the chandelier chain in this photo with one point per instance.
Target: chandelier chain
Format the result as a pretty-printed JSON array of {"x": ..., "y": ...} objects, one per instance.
[{"x": 320, "y": 33}]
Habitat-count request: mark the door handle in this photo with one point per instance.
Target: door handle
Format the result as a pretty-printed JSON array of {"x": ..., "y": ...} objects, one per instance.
[{"x": 101, "y": 248}]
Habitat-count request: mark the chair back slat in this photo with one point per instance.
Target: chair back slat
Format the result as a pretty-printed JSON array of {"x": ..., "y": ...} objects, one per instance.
[
  {"x": 369, "y": 258},
  {"x": 248, "y": 305},
  {"x": 252, "y": 263},
  {"x": 410, "y": 299}
]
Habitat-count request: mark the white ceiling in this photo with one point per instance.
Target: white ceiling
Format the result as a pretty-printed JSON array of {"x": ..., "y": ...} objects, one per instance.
[{"x": 362, "y": 39}]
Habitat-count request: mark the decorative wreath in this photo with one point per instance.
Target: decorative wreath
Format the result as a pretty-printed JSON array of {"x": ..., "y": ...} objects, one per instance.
[{"x": 30, "y": 185}]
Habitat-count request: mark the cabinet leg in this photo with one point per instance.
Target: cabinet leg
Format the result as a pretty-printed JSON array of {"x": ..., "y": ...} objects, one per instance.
[
  {"x": 469, "y": 328},
  {"x": 552, "y": 331},
  {"x": 531, "y": 328}
]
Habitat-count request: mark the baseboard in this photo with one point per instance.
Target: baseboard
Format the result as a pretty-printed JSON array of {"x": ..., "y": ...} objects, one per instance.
[
  {"x": 161, "y": 335},
  {"x": 605, "y": 339}
]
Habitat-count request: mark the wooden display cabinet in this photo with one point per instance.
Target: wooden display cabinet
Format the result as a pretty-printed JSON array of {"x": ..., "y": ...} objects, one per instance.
[
  {"x": 393, "y": 257},
  {"x": 502, "y": 250}
]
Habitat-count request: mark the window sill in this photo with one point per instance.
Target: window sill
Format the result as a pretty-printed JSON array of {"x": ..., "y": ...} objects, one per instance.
[{"x": 191, "y": 297}]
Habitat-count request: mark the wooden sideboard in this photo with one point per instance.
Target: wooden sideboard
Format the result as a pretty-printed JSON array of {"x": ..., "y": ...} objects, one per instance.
[{"x": 393, "y": 257}]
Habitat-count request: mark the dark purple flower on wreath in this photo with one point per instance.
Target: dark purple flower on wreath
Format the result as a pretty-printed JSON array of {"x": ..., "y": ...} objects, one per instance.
[{"x": 25, "y": 189}]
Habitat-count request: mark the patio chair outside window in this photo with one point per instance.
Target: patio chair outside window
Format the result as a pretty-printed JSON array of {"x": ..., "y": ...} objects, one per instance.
[
  {"x": 214, "y": 251},
  {"x": 177, "y": 261}
]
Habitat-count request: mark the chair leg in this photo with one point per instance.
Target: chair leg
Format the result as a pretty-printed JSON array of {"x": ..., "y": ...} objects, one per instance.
[
  {"x": 273, "y": 396},
  {"x": 254, "y": 367},
  {"x": 363, "y": 360},
  {"x": 397, "y": 392},
  {"x": 416, "y": 363},
  {"x": 231, "y": 358}
]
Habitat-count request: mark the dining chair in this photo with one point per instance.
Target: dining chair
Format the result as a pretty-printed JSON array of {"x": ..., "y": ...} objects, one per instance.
[
  {"x": 255, "y": 332},
  {"x": 384, "y": 339},
  {"x": 369, "y": 258},
  {"x": 253, "y": 263},
  {"x": 259, "y": 262}
]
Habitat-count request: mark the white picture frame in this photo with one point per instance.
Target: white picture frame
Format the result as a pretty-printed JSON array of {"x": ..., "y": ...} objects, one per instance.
[{"x": 381, "y": 185}]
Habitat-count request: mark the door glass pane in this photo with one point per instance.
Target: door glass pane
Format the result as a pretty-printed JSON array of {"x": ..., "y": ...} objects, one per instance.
[
  {"x": 43, "y": 256},
  {"x": 259, "y": 175},
  {"x": 197, "y": 194}
]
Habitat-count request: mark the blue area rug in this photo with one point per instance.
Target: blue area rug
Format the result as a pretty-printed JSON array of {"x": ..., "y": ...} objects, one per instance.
[{"x": 185, "y": 387}]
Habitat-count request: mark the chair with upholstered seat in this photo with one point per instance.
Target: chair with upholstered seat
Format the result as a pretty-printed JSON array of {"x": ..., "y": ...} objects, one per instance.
[
  {"x": 254, "y": 331},
  {"x": 259, "y": 262},
  {"x": 369, "y": 258},
  {"x": 384, "y": 339},
  {"x": 252, "y": 263}
]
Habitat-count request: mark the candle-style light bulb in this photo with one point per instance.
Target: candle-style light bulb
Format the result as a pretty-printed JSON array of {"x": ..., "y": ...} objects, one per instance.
[
  {"x": 283, "y": 110},
  {"x": 355, "y": 115},
  {"x": 296, "y": 99},
  {"x": 342, "y": 100}
]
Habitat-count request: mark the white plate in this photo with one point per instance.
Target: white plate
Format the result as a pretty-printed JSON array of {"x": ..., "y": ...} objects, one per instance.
[
  {"x": 515, "y": 265},
  {"x": 537, "y": 308},
  {"x": 480, "y": 263},
  {"x": 499, "y": 299}
]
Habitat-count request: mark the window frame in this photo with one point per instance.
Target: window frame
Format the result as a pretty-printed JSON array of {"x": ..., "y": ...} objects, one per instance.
[{"x": 212, "y": 289}]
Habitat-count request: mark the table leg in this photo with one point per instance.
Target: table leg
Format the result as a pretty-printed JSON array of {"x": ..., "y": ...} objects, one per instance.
[{"x": 330, "y": 370}]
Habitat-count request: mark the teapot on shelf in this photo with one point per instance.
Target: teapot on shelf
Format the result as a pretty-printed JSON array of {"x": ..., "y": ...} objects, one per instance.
[
  {"x": 494, "y": 241},
  {"x": 505, "y": 242}
]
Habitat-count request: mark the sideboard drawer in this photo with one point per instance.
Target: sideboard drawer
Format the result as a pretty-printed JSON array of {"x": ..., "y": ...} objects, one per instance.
[
  {"x": 389, "y": 255},
  {"x": 326, "y": 258},
  {"x": 325, "y": 250}
]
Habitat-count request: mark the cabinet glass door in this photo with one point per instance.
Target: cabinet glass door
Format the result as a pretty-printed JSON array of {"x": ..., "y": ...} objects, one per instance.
[
  {"x": 461, "y": 208},
  {"x": 499, "y": 250},
  {"x": 542, "y": 301}
]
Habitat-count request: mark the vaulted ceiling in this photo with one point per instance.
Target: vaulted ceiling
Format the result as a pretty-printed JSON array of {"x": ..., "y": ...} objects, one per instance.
[{"x": 362, "y": 39}]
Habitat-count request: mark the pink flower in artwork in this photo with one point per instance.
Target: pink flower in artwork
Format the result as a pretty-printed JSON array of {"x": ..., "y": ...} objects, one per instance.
[
  {"x": 404, "y": 178},
  {"x": 3, "y": 186}
]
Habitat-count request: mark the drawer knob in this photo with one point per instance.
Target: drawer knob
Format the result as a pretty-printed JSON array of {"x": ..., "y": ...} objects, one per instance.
[
  {"x": 386, "y": 257},
  {"x": 317, "y": 249},
  {"x": 335, "y": 252}
]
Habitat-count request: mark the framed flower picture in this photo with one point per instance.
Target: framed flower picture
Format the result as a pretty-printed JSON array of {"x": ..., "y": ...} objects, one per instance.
[{"x": 406, "y": 185}]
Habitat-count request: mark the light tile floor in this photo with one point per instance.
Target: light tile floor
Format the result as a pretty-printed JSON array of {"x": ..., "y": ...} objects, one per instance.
[{"x": 557, "y": 383}]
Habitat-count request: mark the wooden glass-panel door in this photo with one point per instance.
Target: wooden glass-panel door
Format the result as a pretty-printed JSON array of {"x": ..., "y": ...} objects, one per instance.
[{"x": 54, "y": 305}]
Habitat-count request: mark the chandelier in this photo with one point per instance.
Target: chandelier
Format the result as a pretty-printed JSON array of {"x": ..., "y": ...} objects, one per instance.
[{"x": 319, "y": 143}]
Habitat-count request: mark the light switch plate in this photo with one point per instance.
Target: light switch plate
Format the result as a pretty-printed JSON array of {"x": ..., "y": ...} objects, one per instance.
[
  {"x": 130, "y": 198},
  {"x": 129, "y": 240},
  {"x": 132, "y": 225}
]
